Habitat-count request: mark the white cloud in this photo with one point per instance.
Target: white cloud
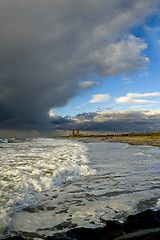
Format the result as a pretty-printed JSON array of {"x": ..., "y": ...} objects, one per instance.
[
  {"x": 152, "y": 29},
  {"x": 143, "y": 74},
  {"x": 51, "y": 113},
  {"x": 126, "y": 79},
  {"x": 120, "y": 57},
  {"x": 87, "y": 84},
  {"x": 137, "y": 95},
  {"x": 99, "y": 98},
  {"x": 131, "y": 98},
  {"x": 141, "y": 106}
]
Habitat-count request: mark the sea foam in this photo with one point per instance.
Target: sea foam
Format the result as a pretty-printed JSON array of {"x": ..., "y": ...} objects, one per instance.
[
  {"x": 29, "y": 169},
  {"x": 49, "y": 185}
]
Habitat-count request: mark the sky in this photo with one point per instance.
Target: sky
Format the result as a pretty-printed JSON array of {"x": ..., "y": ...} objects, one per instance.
[{"x": 91, "y": 64}]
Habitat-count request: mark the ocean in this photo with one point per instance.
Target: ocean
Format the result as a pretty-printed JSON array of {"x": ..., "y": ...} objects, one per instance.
[{"x": 48, "y": 186}]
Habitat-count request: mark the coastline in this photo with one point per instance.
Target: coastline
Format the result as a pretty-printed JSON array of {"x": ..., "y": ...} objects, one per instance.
[
  {"x": 137, "y": 140},
  {"x": 132, "y": 140}
]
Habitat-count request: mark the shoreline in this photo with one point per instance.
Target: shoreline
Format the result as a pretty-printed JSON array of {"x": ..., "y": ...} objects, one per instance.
[
  {"x": 137, "y": 140},
  {"x": 132, "y": 140}
]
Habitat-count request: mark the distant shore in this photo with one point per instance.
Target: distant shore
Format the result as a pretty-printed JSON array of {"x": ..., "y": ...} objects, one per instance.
[
  {"x": 132, "y": 140},
  {"x": 137, "y": 140}
]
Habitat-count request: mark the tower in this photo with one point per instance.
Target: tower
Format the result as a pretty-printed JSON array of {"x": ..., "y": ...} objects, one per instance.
[
  {"x": 73, "y": 133},
  {"x": 77, "y": 132}
]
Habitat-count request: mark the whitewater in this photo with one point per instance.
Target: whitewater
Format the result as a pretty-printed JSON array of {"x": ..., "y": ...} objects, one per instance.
[{"x": 51, "y": 185}]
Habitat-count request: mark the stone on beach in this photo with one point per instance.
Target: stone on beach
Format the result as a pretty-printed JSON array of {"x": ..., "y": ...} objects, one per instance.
[
  {"x": 141, "y": 226},
  {"x": 147, "y": 234}
]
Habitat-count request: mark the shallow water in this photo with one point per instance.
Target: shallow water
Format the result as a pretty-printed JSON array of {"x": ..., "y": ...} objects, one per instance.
[{"x": 50, "y": 185}]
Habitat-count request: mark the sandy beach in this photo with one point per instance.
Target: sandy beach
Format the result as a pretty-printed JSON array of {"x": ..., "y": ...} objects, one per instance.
[
  {"x": 132, "y": 140},
  {"x": 137, "y": 140}
]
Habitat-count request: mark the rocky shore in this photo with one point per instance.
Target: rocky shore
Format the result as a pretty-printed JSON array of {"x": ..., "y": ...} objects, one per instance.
[{"x": 141, "y": 226}]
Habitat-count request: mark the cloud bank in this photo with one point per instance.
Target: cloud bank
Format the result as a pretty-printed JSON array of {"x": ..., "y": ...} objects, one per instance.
[
  {"x": 111, "y": 121},
  {"x": 48, "y": 48}
]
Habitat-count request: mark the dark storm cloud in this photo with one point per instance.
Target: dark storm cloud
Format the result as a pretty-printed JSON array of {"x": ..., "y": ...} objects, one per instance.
[
  {"x": 46, "y": 47},
  {"x": 118, "y": 121}
]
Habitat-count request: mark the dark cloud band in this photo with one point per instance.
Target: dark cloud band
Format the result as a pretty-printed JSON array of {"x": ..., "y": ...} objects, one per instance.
[
  {"x": 118, "y": 121},
  {"x": 46, "y": 47}
]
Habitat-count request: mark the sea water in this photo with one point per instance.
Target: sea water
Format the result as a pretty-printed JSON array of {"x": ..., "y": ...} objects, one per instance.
[{"x": 51, "y": 185}]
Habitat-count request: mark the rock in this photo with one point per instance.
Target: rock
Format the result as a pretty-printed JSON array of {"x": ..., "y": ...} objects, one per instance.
[
  {"x": 141, "y": 226},
  {"x": 149, "y": 219},
  {"x": 14, "y": 238},
  {"x": 112, "y": 230},
  {"x": 131, "y": 224},
  {"x": 85, "y": 233},
  {"x": 58, "y": 237},
  {"x": 149, "y": 234},
  {"x": 144, "y": 220},
  {"x": 115, "y": 230}
]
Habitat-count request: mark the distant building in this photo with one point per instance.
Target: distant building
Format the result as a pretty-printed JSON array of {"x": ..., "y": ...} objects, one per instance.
[{"x": 75, "y": 132}]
